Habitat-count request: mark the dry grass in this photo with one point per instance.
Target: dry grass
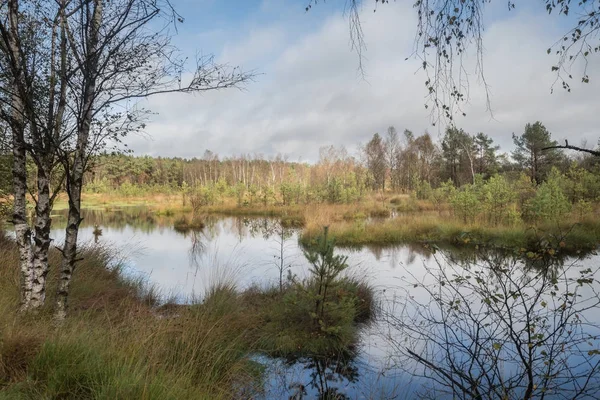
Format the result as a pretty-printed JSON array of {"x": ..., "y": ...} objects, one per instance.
[
  {"x": 113, "y": 344},
  {"x": 157, "y": 201},
  {"x": 430, "y": 227}
]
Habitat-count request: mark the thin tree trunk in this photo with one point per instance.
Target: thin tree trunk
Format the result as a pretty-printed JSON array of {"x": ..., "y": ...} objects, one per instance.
[
  {"x": 69, "y": 250},
  {"x": 75, "y": 175},
  {"x": 44, "y": 144},
  {"x": 22, "y": 230}
]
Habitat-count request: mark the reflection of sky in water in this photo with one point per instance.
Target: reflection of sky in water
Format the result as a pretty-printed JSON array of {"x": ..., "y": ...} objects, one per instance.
[{"x": 236, "y": 249}]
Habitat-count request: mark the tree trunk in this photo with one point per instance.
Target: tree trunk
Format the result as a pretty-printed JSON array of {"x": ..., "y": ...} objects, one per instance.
[
  {"x": 75, "y": 173},
  {"x": 69, "y": 250},
  {"x": 43, "y": 145},
  {"x": 41, "y": 240},
  {"x": 22, "y": 230}
]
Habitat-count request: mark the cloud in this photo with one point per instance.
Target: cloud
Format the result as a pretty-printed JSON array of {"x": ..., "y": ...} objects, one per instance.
[{"x": 311, "y": 94}]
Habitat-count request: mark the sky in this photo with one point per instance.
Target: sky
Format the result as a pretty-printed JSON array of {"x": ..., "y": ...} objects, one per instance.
[{"x": 308, "y": 92}]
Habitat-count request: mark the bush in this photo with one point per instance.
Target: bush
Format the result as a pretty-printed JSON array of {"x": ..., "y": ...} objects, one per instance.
[
  {"x": 465, "y": 204},
  {"x": 498, "y": 199},
  {"x": 549, "y": 202}
]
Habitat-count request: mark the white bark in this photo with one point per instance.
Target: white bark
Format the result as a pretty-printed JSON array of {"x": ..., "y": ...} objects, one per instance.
[
  {"x": 22, "y": 230},
  {"x": 41, "y": 243}
]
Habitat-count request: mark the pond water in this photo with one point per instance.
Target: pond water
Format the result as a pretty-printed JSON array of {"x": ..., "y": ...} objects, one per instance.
[{"x": 247, "y": 251}]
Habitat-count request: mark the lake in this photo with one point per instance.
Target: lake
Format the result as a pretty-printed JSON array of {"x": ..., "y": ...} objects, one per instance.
[{"x": 248, "y": 251}]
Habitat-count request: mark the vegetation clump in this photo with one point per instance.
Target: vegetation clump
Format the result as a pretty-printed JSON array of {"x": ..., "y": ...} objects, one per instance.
[
  {"x": 319, "y": 316},
  {"x": 186, "y": 224}
]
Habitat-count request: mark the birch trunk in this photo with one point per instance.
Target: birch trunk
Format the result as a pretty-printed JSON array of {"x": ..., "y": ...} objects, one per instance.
[
  {"x": 44, "y": 139},
  {"x": 41, "y": 242},
  {"x": 22, "y": 230},
  {"x": 69, "y": 250},
  {"x": 75, "y": 174}
]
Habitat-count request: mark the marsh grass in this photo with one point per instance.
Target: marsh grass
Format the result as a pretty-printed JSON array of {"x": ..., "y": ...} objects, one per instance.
[
  {"x": 123, "y": 340},
  {"x": 429, "y": 227},
  {"x": 188, "y": 223},
  {"x": 113, "y": 345}
]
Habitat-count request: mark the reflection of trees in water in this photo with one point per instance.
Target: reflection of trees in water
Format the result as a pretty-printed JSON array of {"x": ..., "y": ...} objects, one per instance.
[
  {"x": 139, "y": 218},
  {"x": 547, "y": 261},
  {"x": 198, "y": 247},
  {"x": 411, "y": 250},
  {"x": 327, "y": 377},
  {"x": 495, "y": 325},
  {"x": 267, "y": 227},
  {"x": 213, "y": 227},
  {"x": 272, "y": 228}
]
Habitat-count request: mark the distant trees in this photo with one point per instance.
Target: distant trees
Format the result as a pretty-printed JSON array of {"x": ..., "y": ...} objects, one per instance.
[
  {"x": 502, "y": 198},
  {"x": 397, "y": 162},
  {"x": 459, "y": 152},
  {"x": 375, "y": 160},
  {"x": 486, "y": 159},
  {"x": 530, "y": 155},
  {"x": 400, "y": 160},
  {"x": 393, "y": 156}
]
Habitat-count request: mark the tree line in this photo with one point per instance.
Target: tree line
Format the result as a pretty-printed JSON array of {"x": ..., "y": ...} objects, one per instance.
[{"x": 400, "y": 163}]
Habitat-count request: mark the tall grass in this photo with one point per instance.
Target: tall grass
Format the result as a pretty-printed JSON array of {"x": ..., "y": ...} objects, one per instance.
[{"x": 114, "y": 345}]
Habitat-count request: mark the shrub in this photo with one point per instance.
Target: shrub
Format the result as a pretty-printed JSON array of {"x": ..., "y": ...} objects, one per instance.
[{"x": 549, "y": 202}]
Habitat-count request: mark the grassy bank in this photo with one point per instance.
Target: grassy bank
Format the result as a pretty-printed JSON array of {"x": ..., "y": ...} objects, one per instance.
[
  {"x": 570, "y": 235},
  {"x": 118, "y": 342}
]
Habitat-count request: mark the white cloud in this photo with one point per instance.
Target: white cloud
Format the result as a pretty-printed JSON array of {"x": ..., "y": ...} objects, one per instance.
[{"x": 311, "y": 94}]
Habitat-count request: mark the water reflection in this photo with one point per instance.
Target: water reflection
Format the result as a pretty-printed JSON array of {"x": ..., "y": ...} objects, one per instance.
[
  {"x": 259, "y": 251},
  {"x": 500, "y": 326},
  {"x": 327, "y": 378}
]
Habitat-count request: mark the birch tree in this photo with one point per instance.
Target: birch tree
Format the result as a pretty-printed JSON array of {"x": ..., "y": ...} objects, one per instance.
[
  {"x": 72, "y": 74},
  {"x": 32, "y": 104},
  {"x": 121, "y": 52}
]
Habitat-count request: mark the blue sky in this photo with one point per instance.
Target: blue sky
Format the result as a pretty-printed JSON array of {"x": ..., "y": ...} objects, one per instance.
[{"x": 309, "y": 93}]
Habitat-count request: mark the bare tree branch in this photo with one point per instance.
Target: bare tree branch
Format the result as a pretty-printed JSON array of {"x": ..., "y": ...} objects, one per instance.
[{"x": 570, "y": 147}]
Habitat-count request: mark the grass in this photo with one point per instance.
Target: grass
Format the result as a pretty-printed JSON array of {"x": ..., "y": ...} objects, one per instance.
[
  {"x": 290, "y": 328},
  {"x": 158, "y": 202},
  {"x": 571, "y": 235},
  {"x": 119, "y": 341},
  {"x": 113, "y": 345}
]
